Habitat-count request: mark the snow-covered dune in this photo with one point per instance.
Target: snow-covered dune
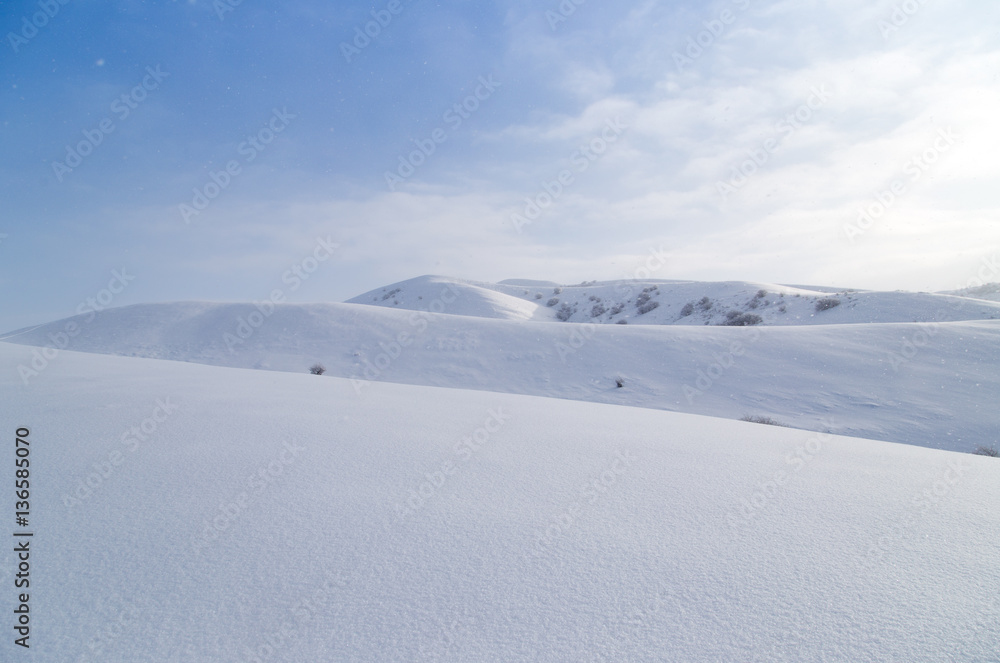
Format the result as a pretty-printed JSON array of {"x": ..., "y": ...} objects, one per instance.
[
  {"x": 934, "y": 385},
  {"x": 194, "y": 513}
]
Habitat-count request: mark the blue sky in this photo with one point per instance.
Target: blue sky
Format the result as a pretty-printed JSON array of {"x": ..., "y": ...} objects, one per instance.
[{"x": 510, "y": 139}]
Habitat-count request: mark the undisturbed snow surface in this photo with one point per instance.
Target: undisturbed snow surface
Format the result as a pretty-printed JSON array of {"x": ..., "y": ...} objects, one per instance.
[{"x": 563, "y": 531}]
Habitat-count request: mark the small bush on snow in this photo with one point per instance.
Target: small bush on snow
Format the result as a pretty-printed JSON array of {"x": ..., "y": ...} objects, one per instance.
[
  {"x": 987, "y": 451},
  {"x": 826, "y": 303},
  {"x": 687, "y": 310},
  {"x": 757, "y": 419},
  {"x": 552, "y": 302},
  {"x": 317, "y": 369},
  {"x": 737, "y": 319}
]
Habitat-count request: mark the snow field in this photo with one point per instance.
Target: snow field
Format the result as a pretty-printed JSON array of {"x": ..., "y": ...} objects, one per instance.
[{"x": 570, "y": 531}]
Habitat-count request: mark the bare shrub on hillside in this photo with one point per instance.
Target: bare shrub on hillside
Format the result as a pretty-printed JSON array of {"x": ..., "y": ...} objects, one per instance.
[
  {"x": 737, "y": 319},
  {"x": 758, "y": 419},
  {"x": 647, "y": 307}
]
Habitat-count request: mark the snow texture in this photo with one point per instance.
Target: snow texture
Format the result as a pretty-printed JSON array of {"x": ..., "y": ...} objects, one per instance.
[{"x": 285, "y": 517}]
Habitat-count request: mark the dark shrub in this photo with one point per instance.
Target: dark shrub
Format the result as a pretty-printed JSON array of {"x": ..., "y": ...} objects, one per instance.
[
  {"x": 742, "y": 319},
  {"x": 757, "y": 419},
  {"x": 647, "y": 307}
]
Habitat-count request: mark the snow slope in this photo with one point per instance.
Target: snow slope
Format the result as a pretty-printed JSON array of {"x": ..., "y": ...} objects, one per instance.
[
  {"x": 933, "y": 385},
  {"x": 194, "y": 513}
]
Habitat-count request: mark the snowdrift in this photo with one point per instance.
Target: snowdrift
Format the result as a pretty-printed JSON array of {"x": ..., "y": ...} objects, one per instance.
[
  {"x": 185, "y": 512},
  {"x": 930, "y": 384}
]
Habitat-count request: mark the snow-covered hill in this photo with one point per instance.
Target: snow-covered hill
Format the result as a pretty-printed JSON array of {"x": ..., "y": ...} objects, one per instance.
[
  {"x": 440, "y": 294},
  {"x": 659, "y": 302},
  {"x": 987, "y": 291},
  {"x": 194, "y": 513},
  {"x": 930, "y": 384}
]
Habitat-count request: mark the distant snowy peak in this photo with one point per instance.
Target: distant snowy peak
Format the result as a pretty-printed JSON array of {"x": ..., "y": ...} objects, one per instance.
[
  {"x": 987, "y": 291},
  {"x": 663, "y": 302}
]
